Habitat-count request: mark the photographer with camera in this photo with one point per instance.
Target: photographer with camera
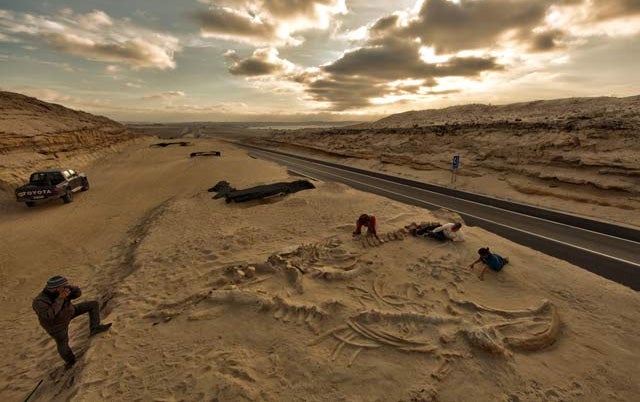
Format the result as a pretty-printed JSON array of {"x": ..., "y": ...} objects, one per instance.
[{"x": 55, "y": 311}]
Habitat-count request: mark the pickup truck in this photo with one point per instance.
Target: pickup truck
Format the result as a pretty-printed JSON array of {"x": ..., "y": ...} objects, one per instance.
[{"x": 51, "y": 184}]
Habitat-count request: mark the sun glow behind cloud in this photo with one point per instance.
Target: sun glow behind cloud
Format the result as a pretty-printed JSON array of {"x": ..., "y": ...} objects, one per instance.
[{"x": 309, "y": 56}]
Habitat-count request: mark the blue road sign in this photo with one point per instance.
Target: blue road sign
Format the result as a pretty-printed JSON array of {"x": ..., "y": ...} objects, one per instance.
[{"x": 456, "y": 162}]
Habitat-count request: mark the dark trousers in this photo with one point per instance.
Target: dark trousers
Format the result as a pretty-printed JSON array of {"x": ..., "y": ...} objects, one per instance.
[
  {"x": 62, "y": 337},
  {"x": 423, "y": 231}
]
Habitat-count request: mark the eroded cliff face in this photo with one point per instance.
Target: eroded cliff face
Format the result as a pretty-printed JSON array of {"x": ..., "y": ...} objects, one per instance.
[
  {"x": 581, "y": 149},
  {"x": 36, "y": 135}
]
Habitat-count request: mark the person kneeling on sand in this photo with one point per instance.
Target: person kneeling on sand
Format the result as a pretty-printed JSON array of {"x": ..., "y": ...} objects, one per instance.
[
  {"x": 369, "y": 221},
  {"x": 489, "y": 260},
  {"x": 55, "y": 311},
  {"x": 448, "y": 231}
]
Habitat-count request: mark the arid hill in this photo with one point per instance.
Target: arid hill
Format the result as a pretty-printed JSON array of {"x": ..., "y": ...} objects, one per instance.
[
  {"x": 585, "y": 150},
  {"x": 36, "y": 134},
  {"x": 570, "y": 113}
]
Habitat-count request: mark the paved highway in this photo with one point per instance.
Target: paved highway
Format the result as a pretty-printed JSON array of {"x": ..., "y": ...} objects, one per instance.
[{"x": 605, "y": 249}]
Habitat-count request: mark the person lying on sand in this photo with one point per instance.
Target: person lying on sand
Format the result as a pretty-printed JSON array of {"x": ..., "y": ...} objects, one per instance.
[
  {"x": 369, "y": 221},
  {"x": 55, "y": 311},
  {"x": 490, "y": 261},
  {"x": 448, "y": 231}
]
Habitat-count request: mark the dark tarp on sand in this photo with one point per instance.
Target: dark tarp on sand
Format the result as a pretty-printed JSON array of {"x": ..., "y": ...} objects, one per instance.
[{"x": 225, "y": 190}]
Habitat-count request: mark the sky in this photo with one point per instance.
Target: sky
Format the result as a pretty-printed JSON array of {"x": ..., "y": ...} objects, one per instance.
[{"x": 309, "y": 60}]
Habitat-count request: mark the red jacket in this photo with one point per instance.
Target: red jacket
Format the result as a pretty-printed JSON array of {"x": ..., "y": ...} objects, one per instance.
[{"x": 371, "y": 225}]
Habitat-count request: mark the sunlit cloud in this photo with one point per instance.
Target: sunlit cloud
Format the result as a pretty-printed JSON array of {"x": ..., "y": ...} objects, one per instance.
[
  {"x": 94, "y": 36},
  {"x": 455, "y": 46},
  {"x": 261, "y": 62},
  {"x": 318, "y": 57},
  {"x": 266, "y": 22}
]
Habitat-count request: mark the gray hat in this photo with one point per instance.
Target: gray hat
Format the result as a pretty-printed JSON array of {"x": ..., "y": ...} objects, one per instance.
[{"x": 56, "y": 281}]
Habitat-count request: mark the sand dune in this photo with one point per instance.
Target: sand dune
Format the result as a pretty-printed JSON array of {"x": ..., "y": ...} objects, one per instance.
[{"x": 274, "y": 300}]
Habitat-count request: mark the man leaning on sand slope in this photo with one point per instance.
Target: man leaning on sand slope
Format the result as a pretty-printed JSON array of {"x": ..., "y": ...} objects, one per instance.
[
  {"x": 448, "y": 231},
  {"x": 451, "y": 231},
  {"x": 55, "y": 311}
]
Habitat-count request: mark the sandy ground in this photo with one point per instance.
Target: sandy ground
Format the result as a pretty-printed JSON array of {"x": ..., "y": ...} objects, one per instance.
[
  {"x": 274, "y": 300},
  {"x": 580, "y": 155},
  {"x": 576, "y": 199}
]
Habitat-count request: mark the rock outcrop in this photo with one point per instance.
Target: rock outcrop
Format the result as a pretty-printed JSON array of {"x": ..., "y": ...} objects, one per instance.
[
  {"x": 29, "y": 124},
  {"x": 36, "y": 134}
]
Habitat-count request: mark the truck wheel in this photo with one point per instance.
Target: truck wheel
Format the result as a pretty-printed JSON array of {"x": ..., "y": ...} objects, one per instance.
[
  {"x": 85, "y": 185},
  {"x": 30, "y": 204},
  {"x": 67, "y": 197}
]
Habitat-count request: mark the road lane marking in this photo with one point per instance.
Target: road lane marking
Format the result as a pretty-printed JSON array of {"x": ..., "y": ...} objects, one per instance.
[
  {"x": 474, "y": 202},
  {"x": 484, "y": 219}
]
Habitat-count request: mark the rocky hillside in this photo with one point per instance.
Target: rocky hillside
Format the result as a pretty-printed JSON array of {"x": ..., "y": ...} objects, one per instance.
[
  {"x": 29, "y": 124},
  {"x": 36, "y": 134},
  {"x": 580, "y": 149},
  {"x": 568, "y": 114}
]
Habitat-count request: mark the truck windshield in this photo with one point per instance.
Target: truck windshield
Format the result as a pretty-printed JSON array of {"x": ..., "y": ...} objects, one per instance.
[{"x": 39, "y": 179}]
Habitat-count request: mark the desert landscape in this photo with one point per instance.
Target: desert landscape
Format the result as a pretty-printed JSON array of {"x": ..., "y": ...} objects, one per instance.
[
  {"x": 275, "y": 300},
  {"x": 320, "y": 201},
  {"x": 580, "y": 155}
]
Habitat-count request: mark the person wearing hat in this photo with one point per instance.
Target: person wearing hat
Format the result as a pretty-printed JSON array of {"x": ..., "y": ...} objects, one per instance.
[{"x": 55, "y": 311}]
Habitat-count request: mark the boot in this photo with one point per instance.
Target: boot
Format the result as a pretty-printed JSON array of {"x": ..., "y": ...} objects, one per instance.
[
  {"x": 99, "y": 328},
  {"x": 69, "y": 364}
]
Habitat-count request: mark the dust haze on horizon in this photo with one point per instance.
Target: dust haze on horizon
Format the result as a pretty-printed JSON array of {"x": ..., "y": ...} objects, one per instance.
[{"x": 299, "y": 60}]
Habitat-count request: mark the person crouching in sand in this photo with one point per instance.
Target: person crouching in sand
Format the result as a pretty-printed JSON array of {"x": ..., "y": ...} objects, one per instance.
[
  {"x": 55, "y": 311},
  {"x": 369, "y": 221},
  {"x": 489, "y": 260}
]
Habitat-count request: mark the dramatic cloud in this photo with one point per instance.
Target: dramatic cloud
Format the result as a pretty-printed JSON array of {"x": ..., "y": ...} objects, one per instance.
[
  {"x": 590, "y": 18},
  {"x": 342, "y": 92},
  {"x": 611, "y": 9},
  {"x": 447, "y": 41},
  {"x": 262, "y": 62},
  {"x": 469, "y": 24},
  {"x": 397, "y": 60},
  {"x": 226, "y": 23},
  {"x": 94, "y": 36},
  {"x": 545, "y": 41},
  {"x": 266, "y": 22},
  {"x": 452, "y": 26},
  {"x": 364, "y": 75},
  {"x": 316, "y": 55}
]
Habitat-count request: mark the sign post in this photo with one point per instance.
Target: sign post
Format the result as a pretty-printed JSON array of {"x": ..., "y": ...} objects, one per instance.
[{"x": 454, "y": 167}]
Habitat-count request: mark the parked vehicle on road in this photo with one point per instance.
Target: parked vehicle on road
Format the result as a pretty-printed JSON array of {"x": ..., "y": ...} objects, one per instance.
[{"x": 52, "y": 184}]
